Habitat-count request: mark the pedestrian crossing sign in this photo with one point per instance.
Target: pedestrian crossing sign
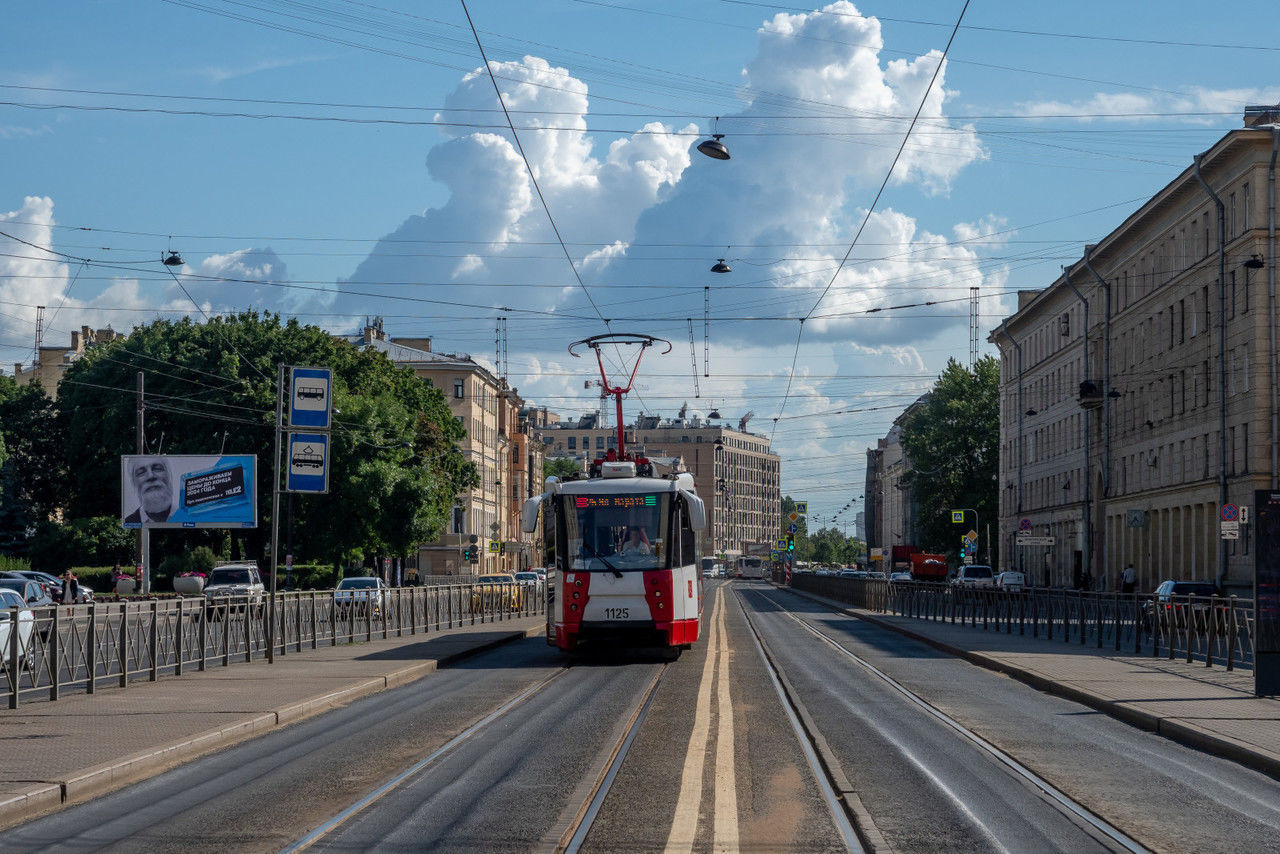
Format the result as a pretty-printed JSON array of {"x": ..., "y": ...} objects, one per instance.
[{"x": 957, "y": 517}]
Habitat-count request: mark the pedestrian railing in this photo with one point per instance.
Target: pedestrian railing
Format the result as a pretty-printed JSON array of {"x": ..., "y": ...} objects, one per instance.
[
  {"x": 85, "y": 647},
  {"x": 1206, "y": 629}
]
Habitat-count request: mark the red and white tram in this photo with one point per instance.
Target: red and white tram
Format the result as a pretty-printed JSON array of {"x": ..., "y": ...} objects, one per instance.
[
  {"x": 627, "y": 563},
  {"x": 626, "y": 545}
]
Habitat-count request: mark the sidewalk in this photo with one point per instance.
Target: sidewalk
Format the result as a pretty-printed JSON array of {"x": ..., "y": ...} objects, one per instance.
[
  {"x": 1201, "y": 707},
  {"x": 83, "y": 746}
]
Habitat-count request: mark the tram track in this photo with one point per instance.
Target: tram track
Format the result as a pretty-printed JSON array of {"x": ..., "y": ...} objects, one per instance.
[
  {"x": 1080, "y": 815},
  {"x": 577, "y": 818}
]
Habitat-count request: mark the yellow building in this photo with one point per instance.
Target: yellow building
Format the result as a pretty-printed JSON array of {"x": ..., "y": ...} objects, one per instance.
[{"x": 500, "y": 441}]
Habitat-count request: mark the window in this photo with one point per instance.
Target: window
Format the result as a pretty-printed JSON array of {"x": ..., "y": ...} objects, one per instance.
[
  {"x": 573, "y": 443},
  {"x": 459, "y": 387},
  {"x": 1208, "y": 315},
  {"x": 1182, "y": 321},
  {"x": 459, "y": 520},
  {"x": 1231, "y": 300},
  {"x": 599, "y": 443}
]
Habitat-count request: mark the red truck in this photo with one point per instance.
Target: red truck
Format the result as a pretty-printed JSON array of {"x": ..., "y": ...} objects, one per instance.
[{"x": 927, "y": 567}]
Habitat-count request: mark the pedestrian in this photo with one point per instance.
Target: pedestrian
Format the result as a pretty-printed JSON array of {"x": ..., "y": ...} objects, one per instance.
[
  {"x": 1128, "y": 579},
  {"x": 70, "y": 588}
]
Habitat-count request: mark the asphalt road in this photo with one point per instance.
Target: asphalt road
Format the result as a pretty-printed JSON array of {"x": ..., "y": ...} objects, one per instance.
[{"x": 713, "y": 763}]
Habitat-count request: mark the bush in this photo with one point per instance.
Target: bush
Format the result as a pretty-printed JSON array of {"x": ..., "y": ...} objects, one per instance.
[
  {"x": 98, "y": 540},
  {"x": 201, "y": 559},
  {"x": 14, "y": 564}
]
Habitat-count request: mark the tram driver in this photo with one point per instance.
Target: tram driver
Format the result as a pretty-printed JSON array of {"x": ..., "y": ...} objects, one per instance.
[{"x": 636, "y": 543}]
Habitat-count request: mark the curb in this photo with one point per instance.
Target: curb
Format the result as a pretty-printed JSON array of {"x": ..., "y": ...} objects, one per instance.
[
  {"x": 1170, "y": 728},
  {"x": 41, "y": 798}
]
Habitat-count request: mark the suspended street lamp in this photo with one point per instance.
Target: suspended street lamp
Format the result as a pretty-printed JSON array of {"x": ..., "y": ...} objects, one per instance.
[{"x": 713, "y": 147}]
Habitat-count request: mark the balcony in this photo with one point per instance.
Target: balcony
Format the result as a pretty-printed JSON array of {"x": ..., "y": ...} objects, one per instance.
[{"x": 1090, "y": 395}]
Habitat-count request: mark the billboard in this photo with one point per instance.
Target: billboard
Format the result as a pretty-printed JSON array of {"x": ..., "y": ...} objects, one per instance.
[{"x": 170, "y": 491}]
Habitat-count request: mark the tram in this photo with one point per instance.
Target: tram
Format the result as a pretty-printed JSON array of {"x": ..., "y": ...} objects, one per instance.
[{"x": 626, "y": 545}]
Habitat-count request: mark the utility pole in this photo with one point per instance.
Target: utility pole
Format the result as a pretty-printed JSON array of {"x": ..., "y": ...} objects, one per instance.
[{"x": 144, "y": 533}]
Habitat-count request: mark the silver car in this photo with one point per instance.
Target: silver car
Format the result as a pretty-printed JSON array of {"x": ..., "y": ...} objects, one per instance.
[{"x": 10, "y": 599}]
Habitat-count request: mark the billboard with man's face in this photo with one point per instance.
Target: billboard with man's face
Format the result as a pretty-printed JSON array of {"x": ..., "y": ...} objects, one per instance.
[{"x": 168, "y": 491}]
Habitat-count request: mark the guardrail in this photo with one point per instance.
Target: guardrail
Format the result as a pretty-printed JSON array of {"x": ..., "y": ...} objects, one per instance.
[
  {"x": 1208, "y": 629},
  {"x": 84, "y": 647}
]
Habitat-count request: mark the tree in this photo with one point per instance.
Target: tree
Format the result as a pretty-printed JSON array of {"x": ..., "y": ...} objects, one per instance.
[
  {"x": 31, "y": 469},
  {"x": 952, "y": 441},
  {"x": 561, "y": 466},
  {"x": 395, "y": 465}
]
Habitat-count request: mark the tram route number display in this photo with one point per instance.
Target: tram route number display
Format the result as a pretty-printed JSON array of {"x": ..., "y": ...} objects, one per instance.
[{"x": 613, "y": 502}]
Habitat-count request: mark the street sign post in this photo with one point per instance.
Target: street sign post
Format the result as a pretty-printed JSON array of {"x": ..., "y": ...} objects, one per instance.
[
  {"x": 308, "y": 458},
  {"x": 1035, "y": 541},
  {"x": 802, "y": 507},
  {"x": 957, "y": 517},
  {"x": 1230, "y": 530},
  {"x": 1024, "y": 525},
  {"x": 310, "y": 397},
  {"x": 792, "y": 528},
  {"x": 1230, "y": 513}
]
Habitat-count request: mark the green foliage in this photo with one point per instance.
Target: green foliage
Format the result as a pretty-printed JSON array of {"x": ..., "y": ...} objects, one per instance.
[
  {"x": 97, "y": 540},
  {"x": 32, "y": 472},
  {"x": 14, "y": 564},
  {"x": 211, "y": 387},
  {"x": 952, "y": 441},
  {"x": 561, "y": 467},
  {"x": 201, "y": 559}
]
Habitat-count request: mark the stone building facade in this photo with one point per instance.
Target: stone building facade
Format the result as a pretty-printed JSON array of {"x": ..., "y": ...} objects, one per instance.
[
  {"x": 1127, "y": 425},
  {"x": 503, "y": 441}
]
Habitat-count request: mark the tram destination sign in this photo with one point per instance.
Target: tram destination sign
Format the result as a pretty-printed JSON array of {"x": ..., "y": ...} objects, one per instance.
[{"x": 625, "y": 502}]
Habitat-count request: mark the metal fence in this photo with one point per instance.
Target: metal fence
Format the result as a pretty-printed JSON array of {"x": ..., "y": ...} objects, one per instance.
[
  {"x": 84, "y": 647},
  {"x": 1211, "y": 629}
]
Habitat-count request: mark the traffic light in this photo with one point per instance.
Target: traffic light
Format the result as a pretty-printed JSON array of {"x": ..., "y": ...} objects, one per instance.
[
  {"x": 473, "y": 554},
  {"x": 791, "y": 542}
]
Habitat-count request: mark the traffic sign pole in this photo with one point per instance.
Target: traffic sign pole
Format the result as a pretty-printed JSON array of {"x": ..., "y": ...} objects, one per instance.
[{"x": 275, "y": 517}]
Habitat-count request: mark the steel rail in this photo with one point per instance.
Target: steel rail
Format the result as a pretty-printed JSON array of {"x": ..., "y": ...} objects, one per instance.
[
  {"x": 1071, "y": 808},
  {"x": 576, "y": 834},
  {"x": 838, "y": 805},
  {"x": 395, "y": 782}
]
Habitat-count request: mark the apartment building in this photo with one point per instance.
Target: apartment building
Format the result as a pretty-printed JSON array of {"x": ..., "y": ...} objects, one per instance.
[
  {"x": 891, "y": 508},
  {"x": 1138, "y": 389},
  {"x": 53, "y": 362},
  {"x": 738, "y": 477},
  {"x": 502, "y": 441}
]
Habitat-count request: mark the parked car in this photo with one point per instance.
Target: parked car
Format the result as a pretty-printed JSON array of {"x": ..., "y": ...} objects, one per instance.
[
  {"x": 974, "y": 575},
  {"x": 234, "y": 587},
  {"x": 1011, "y": 580},
  {"x": 53, "y": 585},
  {"x": 360, "y": 594},
  {"x": 874, "y": 573},
  {"x": 10, "y": 599},
  {"x": 495, "y": 591},
  {"x": 900, "y": 576},
  {"x": 1169, "y": 600},
  {"x": 33, "y": 596}
]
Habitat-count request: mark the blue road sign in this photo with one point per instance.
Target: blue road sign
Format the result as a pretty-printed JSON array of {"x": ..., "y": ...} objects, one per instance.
[
  {"x": 307, "y": 458},
  {"x": 791, "y": 529},
  {"x": 310, "y": 397}
]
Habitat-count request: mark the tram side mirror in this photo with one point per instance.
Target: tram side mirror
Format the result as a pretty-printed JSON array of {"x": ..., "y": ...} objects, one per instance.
[
  {"x": 529, "y": 515},
  {"x": 697, "y": 511}
]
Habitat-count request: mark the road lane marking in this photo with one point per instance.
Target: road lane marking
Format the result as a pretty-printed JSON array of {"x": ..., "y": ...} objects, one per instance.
[
  {"x": 684, "y": 824},
  {"x": 725, "y": 834}
]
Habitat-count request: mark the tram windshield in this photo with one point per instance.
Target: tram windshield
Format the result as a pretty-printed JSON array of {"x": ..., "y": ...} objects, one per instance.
[{"x": 620, "y": 533}]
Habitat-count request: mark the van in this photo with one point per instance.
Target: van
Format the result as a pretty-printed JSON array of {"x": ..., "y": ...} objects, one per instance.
[{"x": 974, "y": 575}]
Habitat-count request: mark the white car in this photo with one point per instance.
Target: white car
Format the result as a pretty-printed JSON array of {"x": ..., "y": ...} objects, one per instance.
[
  {"x": 528, "y": 578},
  {"x": 1011, "y": 580},
  {"x": 10, "y": 599},
  {"x": 234, "y": 586},
  {"x": 974, "y": 575},
  {"x": 900, "y": 576},
  {"x": 359, "y": 593}
]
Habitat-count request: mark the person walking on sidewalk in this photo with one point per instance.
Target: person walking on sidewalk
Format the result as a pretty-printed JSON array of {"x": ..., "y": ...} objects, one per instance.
[
  {"x": 1128, "y": 579},
  {"x": 70, "y": 588}
]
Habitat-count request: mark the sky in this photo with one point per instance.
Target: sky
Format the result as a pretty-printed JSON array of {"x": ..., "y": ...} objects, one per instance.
[{"x": 341, "y": 160}]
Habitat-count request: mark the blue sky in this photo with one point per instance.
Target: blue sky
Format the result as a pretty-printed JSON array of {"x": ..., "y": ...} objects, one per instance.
[{"x": 395, "y": 189}]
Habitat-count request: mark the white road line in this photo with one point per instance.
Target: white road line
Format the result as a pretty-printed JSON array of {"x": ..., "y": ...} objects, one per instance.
[
  {"x": 726, "y": 783},
  {"x": 684, "y": 825}
]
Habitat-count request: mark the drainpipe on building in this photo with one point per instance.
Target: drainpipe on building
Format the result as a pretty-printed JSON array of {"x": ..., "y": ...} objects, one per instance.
[
  {"x": 1222, "y": 360},
  {"x": 1106, "y": 400},
  {"x": 1088, "y": 475},
  {"x": 1271, "y": 304}
]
